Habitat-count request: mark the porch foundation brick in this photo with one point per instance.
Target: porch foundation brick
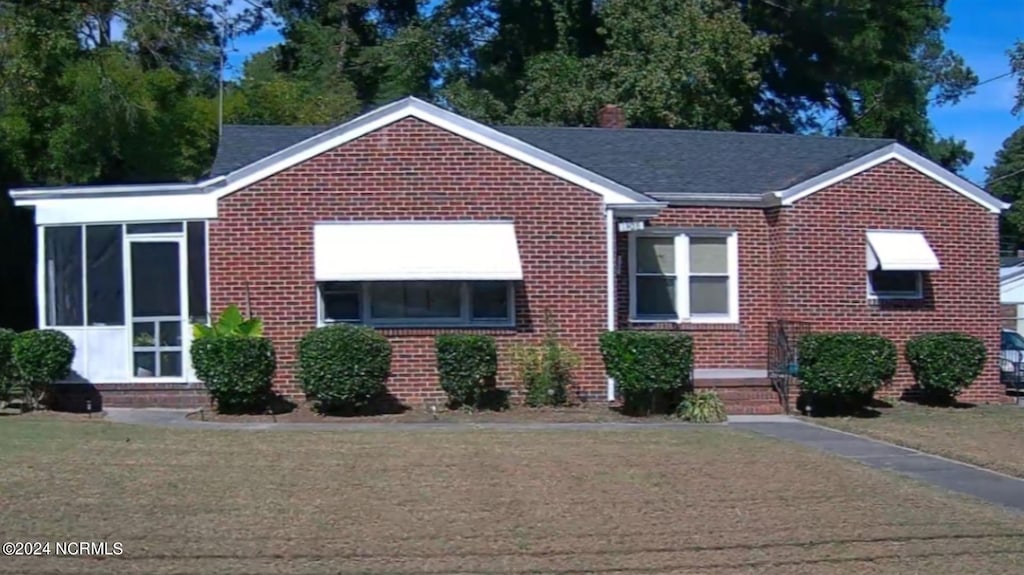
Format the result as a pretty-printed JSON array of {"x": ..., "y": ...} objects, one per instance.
[{"x": 261, "y": 245}]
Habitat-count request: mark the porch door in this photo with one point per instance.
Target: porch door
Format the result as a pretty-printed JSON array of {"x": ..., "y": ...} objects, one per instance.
[{"x": 157, "y": 291}]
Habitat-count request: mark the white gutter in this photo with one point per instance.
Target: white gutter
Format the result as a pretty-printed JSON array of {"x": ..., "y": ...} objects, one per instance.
[{"x": 609, "y": 243}]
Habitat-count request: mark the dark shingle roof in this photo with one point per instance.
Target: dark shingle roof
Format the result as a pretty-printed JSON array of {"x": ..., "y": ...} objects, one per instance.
[
  {"x": 240, "y": 145},
  {"x": 652, "y": 162}
]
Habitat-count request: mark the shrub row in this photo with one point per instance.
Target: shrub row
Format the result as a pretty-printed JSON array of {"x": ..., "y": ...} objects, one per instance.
[
  {"x": 845, "y": 370},
  {"x": 30, "y": 361}
]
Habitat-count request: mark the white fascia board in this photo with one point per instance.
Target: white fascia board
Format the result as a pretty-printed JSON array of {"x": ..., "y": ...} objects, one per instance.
[
  {"x": 29, "y": 196},
  {"x": 902, "y": 154},
  {"x": 118, "y": 209},
  {"x": 464, "y": 127}
]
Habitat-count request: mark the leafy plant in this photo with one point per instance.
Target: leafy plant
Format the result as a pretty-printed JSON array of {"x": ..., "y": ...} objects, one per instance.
[
  {"x": 545, "y": 370},
  {"x": 8, "y": 377},
  {"x": 230, "y": 323},
  {"x": 945, "y": 363},
  {"x": 844, "y": 370},
  {"x": 467, "y": 366},
  {"x": 343, "y": 367},
  {"x": 238, "y": 371},
  {"x": 650, "y": 368},
  {"x": 41, "y": 357},
  {"x": 702, "y": 407}
]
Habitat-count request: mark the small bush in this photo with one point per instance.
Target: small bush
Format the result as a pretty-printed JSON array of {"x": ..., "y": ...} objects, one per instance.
[
  {"x": 343, "y": 367},
  {"x": 844, "y": 370},
  {"x": 8, "y": 378},
  {"x": 545, "y": 370},
  {"x": 41, "y": 357},
  {"x": 467, "y": 366},
  {"x": 238, "y": 371},
  {"x": 702, "y": 407},
  {"x": 944, "y": 364},
  {"x": 650, "y": 368}
]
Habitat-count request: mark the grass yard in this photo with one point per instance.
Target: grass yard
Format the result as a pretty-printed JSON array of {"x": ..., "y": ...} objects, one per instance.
[
  {"x": 987, "y": 435},
  {"x": 699, "y": 500}
]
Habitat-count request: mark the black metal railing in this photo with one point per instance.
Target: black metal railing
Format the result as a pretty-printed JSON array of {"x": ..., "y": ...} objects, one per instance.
[{"x": 783, "y": 359}]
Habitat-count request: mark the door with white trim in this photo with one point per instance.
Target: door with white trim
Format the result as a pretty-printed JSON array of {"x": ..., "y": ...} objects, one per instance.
[{"x": 157, "y": 299}]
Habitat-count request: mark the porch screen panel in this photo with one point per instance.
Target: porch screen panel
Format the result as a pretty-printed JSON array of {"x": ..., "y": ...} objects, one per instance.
[
  {"x": 104, "y": 275},
  {"x": 155, "y": 275},
  {"x": 64, "y": 293},
  {"x": 198, "y": 308}
]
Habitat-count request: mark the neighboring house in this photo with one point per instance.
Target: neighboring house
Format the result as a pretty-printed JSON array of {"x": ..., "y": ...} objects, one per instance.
[
  {"x": 417, "y": 221},
  {"x": 1011, "y": 292}
]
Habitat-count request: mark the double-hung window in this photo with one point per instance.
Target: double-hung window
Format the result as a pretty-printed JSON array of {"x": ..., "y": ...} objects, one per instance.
[
  {"x": 418, "y": 303},
  {"x": 689, "y": 276}
]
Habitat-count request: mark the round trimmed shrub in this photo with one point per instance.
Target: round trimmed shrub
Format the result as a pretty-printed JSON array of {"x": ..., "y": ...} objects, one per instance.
[
  {"x": 845, "y": 369},
  {"x": 649, "y": 367},
  {"x": 8, "y": 379},
  {"x": 238, "y": 371},
  {"x": 343, "y": 367},
  {"x": 41, "y": 357},
  {"x": 467, "y": 366},
  {"x": 945, "y": 363}
]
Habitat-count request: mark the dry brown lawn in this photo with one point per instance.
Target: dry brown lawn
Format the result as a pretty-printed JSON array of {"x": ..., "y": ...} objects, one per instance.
[
  {"x": 692, "y": 500},
  {"x": 991, "y": 436}
]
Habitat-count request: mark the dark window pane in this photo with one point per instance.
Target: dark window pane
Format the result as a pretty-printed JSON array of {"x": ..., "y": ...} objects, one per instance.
[
  {"x": 197, "y": 302},
  {"x": 64, "y": 295},
  {"x": 155, "y": 279},
  {"x": 104, "y": 275},
  {"x": 340, "y": 301},
  {"x": 490, "y": 300},
  {"x": 656, "y": 255},
  {"x": 170, "y": 363},
  {"x": 143, "y": 334},
  {"x": 656, "y": 296},
  {"x": 156, "y": 228},
  {"x": 416, "y": 300},
  {"x": 170, "y": 334},
  {"x": 709, "y": 295},
  {"x": 894, "y": 282},
  {"x": 145, "y": 363}
]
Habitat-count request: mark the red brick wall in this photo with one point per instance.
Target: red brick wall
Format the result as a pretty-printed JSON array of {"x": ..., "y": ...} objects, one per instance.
[
  {"x": 411, "y": 170},
  {"x": 741, "y": 345},
  {"x": 823, "y": 250}
]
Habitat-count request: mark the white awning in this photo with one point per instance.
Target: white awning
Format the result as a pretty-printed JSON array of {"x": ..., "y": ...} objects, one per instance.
[
  {"x": 900, "y": 251},
  {"x": 358, "y": 251}
]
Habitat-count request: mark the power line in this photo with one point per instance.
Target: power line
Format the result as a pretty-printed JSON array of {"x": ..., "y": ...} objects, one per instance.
[{"x": 1004, "y": 176}]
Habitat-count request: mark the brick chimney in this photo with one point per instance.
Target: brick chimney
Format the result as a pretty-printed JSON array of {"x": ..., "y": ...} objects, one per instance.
[{"x": 611, "y": 116}]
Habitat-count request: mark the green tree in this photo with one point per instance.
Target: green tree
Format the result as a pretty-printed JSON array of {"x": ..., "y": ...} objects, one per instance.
[
  {"x": 1017, "y": 68},
  {"x": 1005, "y": 180}
]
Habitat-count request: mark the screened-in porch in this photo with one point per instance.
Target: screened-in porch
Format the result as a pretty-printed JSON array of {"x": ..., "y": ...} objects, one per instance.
[{"x": 126, "y": 294}]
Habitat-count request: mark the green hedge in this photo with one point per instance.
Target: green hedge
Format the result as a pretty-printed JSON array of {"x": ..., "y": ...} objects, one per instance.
[
  {"x": 648, "y": 367},
  {"x": 343, "y": 367},
  {"x": 467, "y": 366},
  {"x": 945, "y": 363},
  {"x": 8, "y": 378},
  {"x": 845, "y": 367},
  {"x": 41, "y": 357},
  {"x": 238, "y": 371}
]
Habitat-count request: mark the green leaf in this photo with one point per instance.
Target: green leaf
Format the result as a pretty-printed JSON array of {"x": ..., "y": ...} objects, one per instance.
[{"x": 230, "y": 321}]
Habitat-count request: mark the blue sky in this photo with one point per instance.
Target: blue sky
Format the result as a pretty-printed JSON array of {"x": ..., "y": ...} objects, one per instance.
[{"x": 981, "y": 31}]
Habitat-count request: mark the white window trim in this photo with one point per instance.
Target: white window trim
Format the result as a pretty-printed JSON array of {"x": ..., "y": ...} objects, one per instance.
[
  {"x": 917, "y": 294},
  {"x": 463, "y": 321},
  {"x": 682, "y": 274}
]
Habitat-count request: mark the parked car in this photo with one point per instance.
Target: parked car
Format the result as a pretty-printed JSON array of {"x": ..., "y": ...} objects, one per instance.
[{"x": 1011, "y": 359}]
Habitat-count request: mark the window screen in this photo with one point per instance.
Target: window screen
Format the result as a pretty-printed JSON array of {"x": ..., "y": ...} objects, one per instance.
[
  {"x": 64, "y": 295},
  {"x": 197, "y": 301},
  {"x": 155, "y": 228},
  {"x": 104, "y": 275}
]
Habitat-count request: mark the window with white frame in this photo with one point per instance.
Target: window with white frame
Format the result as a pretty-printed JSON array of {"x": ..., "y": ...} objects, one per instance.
[
  {"x": 689, "y": 276},
  {"x": 418, "y": 303},
  {"x": 895, "y": 284}
]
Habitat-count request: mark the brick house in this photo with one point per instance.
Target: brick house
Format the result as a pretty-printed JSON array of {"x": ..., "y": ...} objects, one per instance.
[{"x": 415, "y": 220}]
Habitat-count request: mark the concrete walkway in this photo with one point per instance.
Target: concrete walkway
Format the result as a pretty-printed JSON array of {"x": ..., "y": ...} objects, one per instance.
[
  {"x": 984, "y": 484},
  {"x": 951, "y": 475}
]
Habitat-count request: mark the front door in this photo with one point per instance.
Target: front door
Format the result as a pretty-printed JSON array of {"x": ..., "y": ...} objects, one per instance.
[{"x": 156, "y": 303}]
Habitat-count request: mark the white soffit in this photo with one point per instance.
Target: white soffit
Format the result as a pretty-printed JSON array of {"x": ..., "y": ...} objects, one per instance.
[
  {"x": 900, "y": 251},
  {"x": 385, "y": 251}
]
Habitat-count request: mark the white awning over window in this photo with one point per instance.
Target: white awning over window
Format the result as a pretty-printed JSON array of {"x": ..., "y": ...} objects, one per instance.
[
  {"x": 383, "y": 251},
  {"x": 900, "y": 251}
]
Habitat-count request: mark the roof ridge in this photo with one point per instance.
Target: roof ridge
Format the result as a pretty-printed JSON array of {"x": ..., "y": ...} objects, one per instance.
[{"x": 696, "y": 131}]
